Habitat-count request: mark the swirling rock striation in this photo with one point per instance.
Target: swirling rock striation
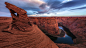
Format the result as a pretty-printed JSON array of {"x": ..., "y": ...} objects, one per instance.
[{"x": 22, "y": 34}]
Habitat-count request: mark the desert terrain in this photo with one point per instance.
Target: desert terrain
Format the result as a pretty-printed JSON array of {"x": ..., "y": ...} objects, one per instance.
[
  {"x": 21, "y": 31},
  {"x": 77, "y": 25}
]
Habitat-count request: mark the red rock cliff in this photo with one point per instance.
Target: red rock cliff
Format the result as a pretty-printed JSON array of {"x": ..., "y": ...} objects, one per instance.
[{"x": 22, "y": 34}]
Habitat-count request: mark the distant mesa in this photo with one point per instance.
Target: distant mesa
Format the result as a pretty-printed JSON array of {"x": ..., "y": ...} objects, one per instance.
[{"x": 21, "y": 33}]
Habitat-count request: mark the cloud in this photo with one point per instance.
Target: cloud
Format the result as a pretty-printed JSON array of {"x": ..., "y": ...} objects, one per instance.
[
  {"x": 45, "y": 7},
  {"x": 66, "y": 13},
  {"x": 65, "y": 1},
  {"x": 24, "y": 4},
  {"x": 59, "y": 4},
  {"x": 53, "y": 3},
  {"x": 49, "y": 5},
  {"x": 64, "y": 5},
  {"x": 73, "y": 3},
  {"x": 31, "y": 12},
  {"x": 79, "y": 8}
]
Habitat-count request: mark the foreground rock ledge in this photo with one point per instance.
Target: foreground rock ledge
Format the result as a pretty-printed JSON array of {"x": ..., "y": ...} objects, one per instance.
[{"x": 22, "y": 34}]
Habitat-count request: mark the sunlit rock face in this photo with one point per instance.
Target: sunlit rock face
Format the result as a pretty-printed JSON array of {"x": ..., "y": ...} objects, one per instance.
[
  {"x": 16, "y": 36},
  {"x": 21, "y": 33},
  {"x": 4, "y": 22},
  {"x": 46, "y": 24},
  {"x": 20, "y": 20},
  {"x": 77, "y": 26},
  {"x": 72, "y": 23}
]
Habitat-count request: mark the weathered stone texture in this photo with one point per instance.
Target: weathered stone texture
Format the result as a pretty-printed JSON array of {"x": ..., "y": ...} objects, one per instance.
[
  {"x": 47, "y": 25},
  {"x": 22, "y": 34},
  {"x": 77, "y": 25},
  {"x": 20, "y": 20}
]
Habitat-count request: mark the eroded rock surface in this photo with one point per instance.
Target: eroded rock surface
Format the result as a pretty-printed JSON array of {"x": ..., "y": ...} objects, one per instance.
[
  {"x": 65, "y": 46},
  {"x": 70, "y": 22},
  {"x": 20, "y": 20},
  {"x": 46, "y": 24},
  {"x": 77, "y": 26},
  {"x": 22, "y": 34}
]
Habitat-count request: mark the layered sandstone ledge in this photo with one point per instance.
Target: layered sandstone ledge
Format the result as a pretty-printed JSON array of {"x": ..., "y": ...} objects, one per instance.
[
  {"x": 19, "y": 32},
  {"x": 77, "y": 26},
  {"x": 47, "y": 25}
]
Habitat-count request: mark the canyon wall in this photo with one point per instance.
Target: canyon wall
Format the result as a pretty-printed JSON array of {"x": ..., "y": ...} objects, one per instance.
[
  {"x": 20, "y": 33},
  {"x": 47, "y": 25},
  {"x": 77, "y": 26}
]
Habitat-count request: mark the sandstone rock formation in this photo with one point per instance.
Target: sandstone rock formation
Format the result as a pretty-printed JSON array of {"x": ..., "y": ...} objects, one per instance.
[
  {"x": 46, "y": 24},
  {"x": 22, "y": 34},
  {"x": 17, "y": 38},
  {"x": 77, "y": 26},
  {"x": 4, "y": 22},
  {"x": 65, "y": 46},
  {"x": 19, "y": 16},
  {"x": 73, "y": 23}
]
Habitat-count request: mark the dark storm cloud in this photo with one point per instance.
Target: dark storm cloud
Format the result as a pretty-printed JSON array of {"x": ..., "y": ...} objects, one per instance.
[
  {"x": 57, "y": 4},
  {"x": 49, "y": 4},
  {"x": 24, "y": 4},
  {"x": 43, "y": 5},
  {"x": 34, "y": 6},
  {"x": 79, "y": 8},
  {"x": 73, "y": 3},
  {"x": 53, "y": 3}
]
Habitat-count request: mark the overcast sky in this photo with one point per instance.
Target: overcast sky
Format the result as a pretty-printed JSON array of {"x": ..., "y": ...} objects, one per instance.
[{"x": 46, "y": 8}]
